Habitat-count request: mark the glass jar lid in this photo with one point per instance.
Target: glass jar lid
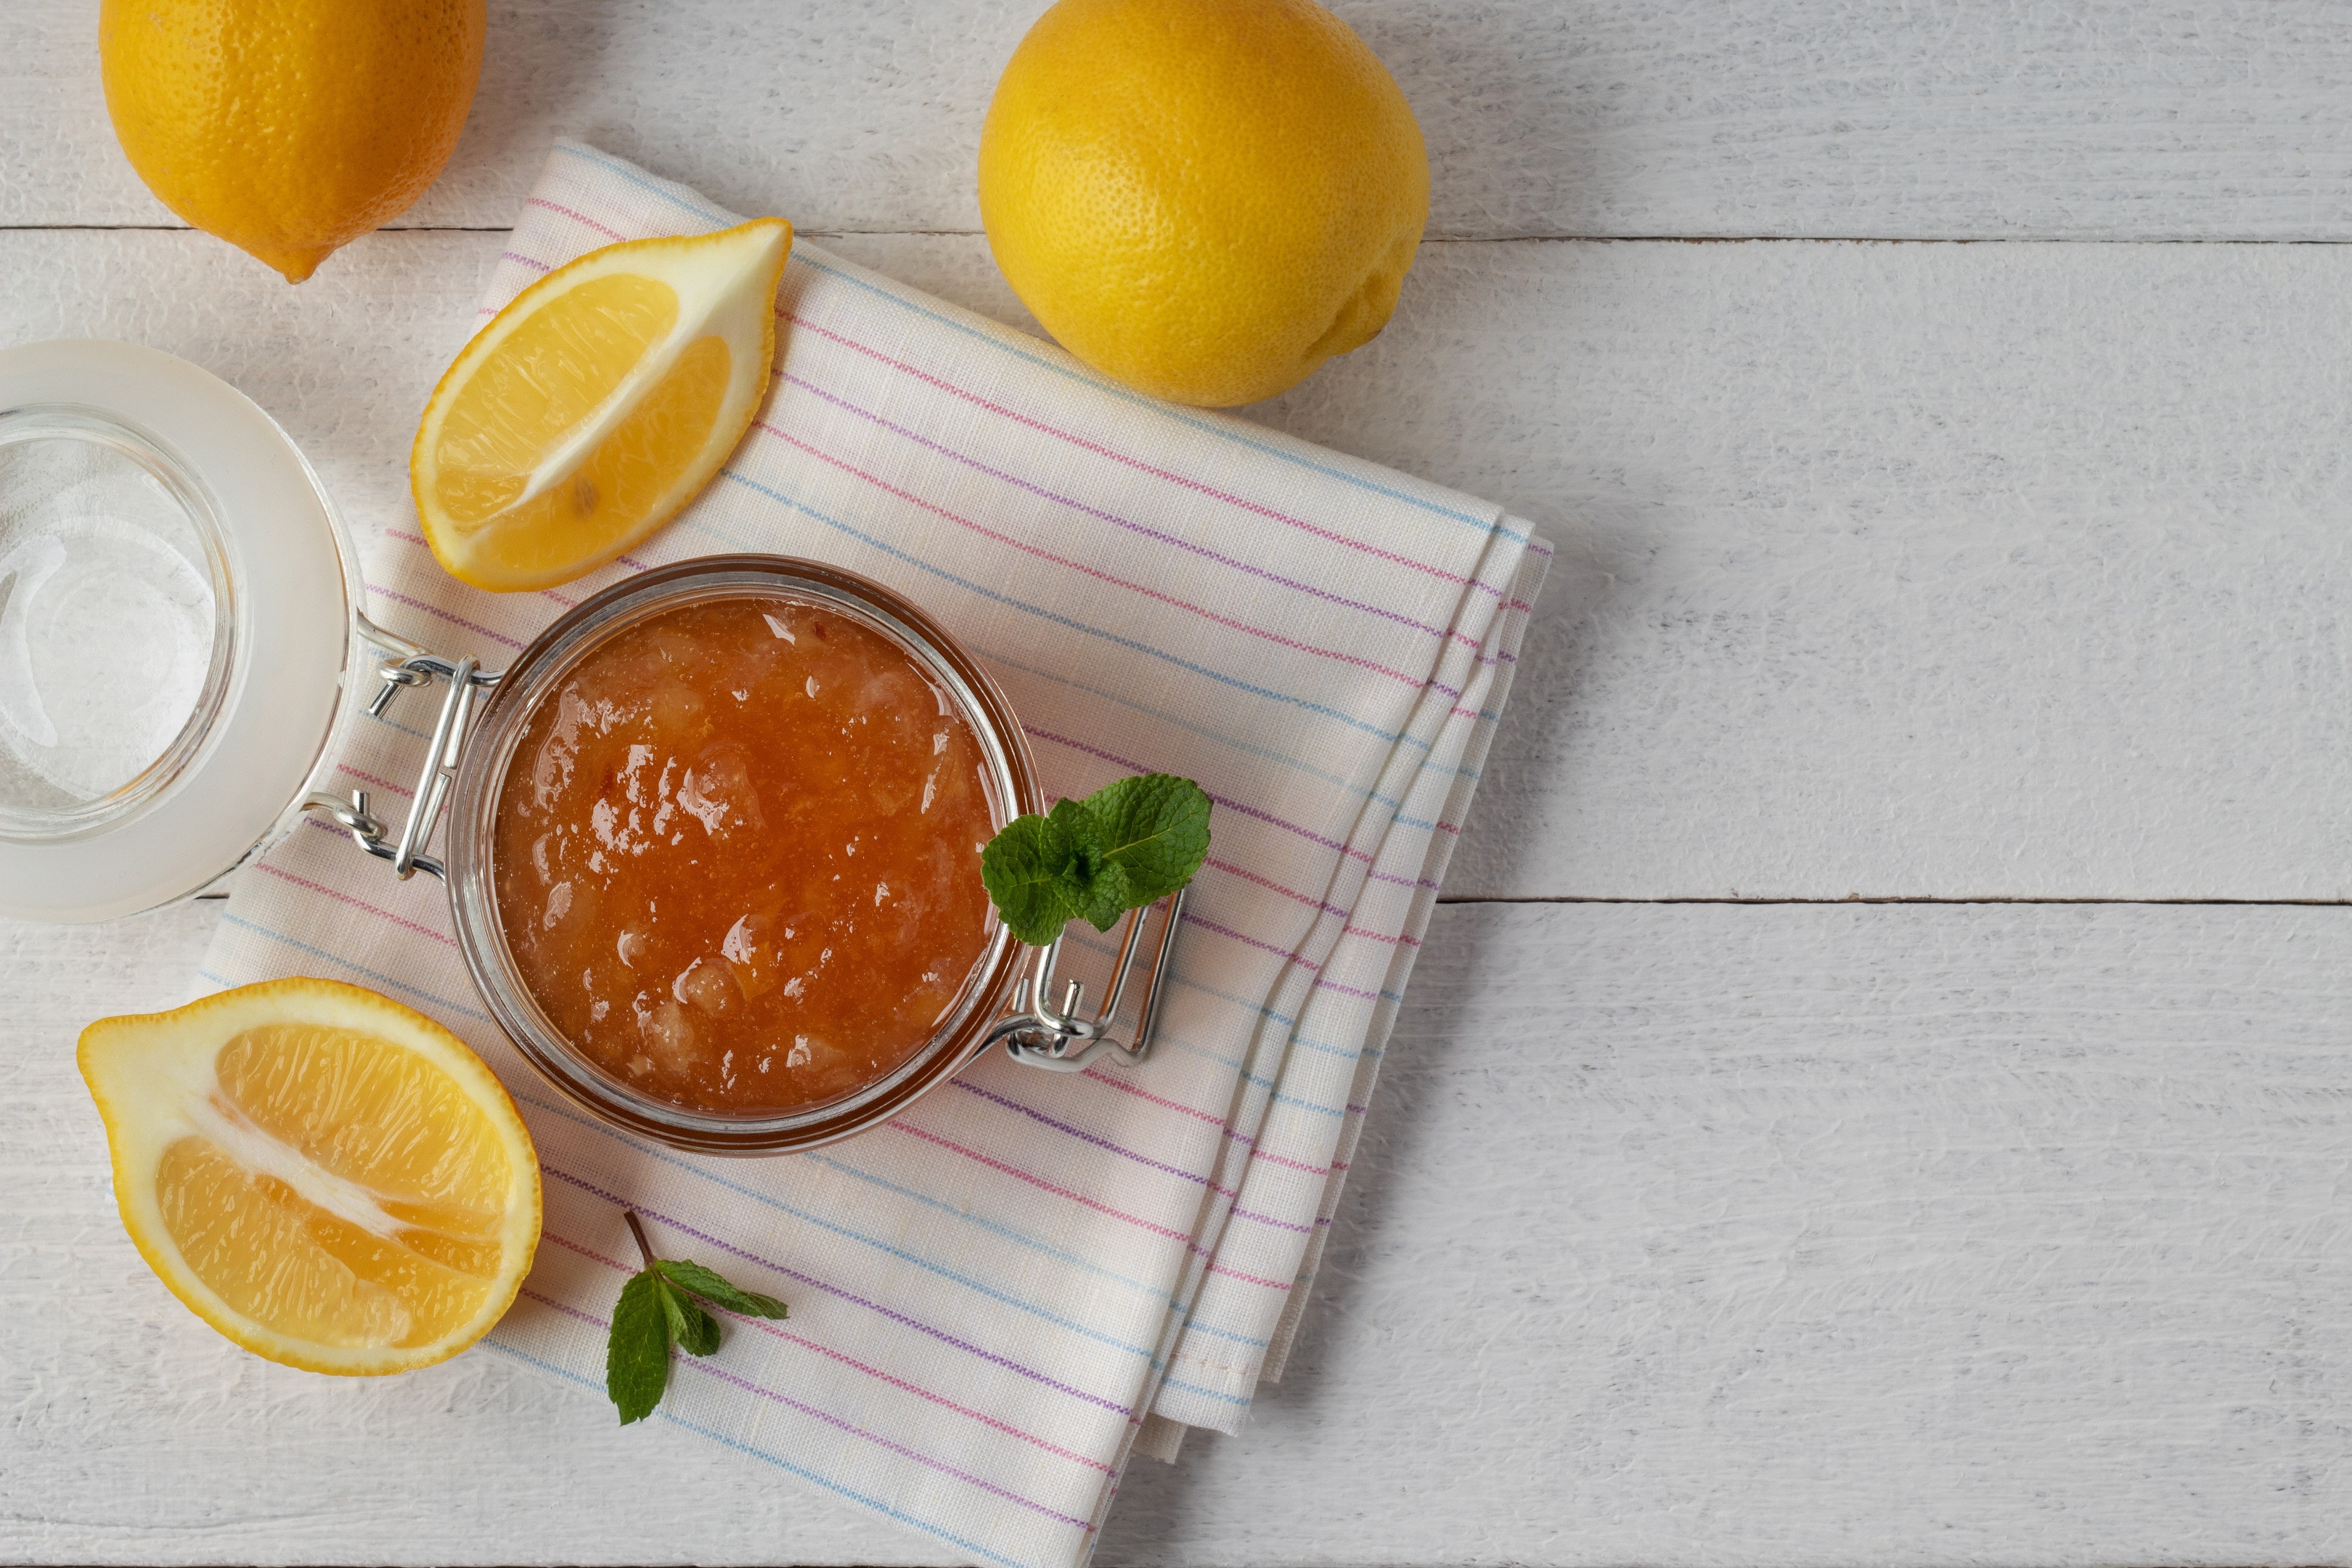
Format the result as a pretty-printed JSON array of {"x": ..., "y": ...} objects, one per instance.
[{"x": 176, "y": 611}]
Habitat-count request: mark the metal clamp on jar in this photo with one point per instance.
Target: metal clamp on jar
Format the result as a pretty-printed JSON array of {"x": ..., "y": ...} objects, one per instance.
[{"x": 1064, "y": 1039}]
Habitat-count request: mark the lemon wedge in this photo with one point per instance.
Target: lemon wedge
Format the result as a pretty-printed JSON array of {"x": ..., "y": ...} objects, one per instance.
[
  {"x": 330, "y": 1179},
  {"x": 596, "y": 404}
]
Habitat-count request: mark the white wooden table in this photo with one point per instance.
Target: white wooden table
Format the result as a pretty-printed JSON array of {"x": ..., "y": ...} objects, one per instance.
[{"x": 1882, "y": 1088}]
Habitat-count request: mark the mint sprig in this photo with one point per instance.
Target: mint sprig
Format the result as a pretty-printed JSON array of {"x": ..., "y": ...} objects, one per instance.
[
  {"x": 1126, "y": 845},
  {"x": 661, "y": 1305}
]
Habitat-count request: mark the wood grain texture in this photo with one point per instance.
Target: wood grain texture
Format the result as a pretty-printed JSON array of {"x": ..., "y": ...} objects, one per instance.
[
  {"x": 1908, "y": 570},
  {"x": 1685, "y": 1234},
  {"x": 2102, "y": 118},
  {"x": 1740, "y": 1235},
  {"x": 1897, "y": 571}
]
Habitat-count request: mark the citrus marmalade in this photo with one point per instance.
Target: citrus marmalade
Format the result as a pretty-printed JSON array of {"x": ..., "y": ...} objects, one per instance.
[{"x": 737, "y": 855}]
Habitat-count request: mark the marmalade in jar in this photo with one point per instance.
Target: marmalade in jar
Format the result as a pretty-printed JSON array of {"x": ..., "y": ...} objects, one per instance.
[{"x": 738, "y": 855}]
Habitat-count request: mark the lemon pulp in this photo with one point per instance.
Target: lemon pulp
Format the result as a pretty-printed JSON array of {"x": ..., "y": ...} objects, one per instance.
[{"x": 321, "y": 1191}]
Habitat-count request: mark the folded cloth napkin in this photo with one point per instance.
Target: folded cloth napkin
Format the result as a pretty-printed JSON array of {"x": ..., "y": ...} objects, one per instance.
[{"x": 1002, "y": 1296}]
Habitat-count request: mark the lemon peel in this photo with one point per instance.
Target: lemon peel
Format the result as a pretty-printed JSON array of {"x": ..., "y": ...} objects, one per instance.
[{"x": 332, "y": 1180}]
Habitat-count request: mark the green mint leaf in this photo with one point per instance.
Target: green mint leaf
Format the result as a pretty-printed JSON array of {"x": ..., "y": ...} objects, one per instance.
[
  {"x": 1120, "y": 848},
  {"x": 1103, "y": 899},
  {"x": 1154, "y": 829},
  {"x": 636, "y": 1356},
  {"x": 1027, "y": 869},
  {"x": 1074, "y": 846},
  {"x": 1094, "y": 888},
  {"x": 700, "y": 1282},
  {"x": 695, "y": 1330}
]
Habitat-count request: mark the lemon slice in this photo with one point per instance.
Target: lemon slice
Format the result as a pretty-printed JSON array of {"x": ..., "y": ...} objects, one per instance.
[
  {"x": 328, "y": 1178},
  {"x": 598, "y": 403}
]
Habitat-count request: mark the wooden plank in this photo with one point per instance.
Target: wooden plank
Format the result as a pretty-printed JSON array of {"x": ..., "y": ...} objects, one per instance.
[
  {"x": 1895, "y": 571},
  {"x": 2105, "y": 118},
  {"x": 1920, "y": 1236},
  {"x": 1683, "y": 1234}
]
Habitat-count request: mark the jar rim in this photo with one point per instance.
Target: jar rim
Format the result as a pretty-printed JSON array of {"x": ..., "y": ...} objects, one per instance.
[{"x": 489, "y": 752}]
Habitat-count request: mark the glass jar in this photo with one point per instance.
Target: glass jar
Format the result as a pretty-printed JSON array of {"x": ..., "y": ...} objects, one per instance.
[
  {"x": 1009, "y": 778},
  {"x": 1005, "y": 995},
  {"x": 180, "y": 634}
]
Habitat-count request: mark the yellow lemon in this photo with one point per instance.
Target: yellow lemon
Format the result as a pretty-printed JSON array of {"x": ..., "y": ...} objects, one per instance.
[
  {"x": 328, "y": 1178},
  {"x": 598, "y": 403},
  {"x": 289, "y": 128},
  {"x": 1205, "y": 199}
]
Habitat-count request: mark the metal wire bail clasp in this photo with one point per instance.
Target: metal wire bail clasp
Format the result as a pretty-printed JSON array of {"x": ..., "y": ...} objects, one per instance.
[
  {"x": 412, "y": 666},
  {"x": 1063, "y": 1039}
]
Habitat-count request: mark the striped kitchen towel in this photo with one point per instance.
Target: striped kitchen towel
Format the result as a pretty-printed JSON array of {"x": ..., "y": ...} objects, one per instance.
[{"x": 1001, "y": 1297}]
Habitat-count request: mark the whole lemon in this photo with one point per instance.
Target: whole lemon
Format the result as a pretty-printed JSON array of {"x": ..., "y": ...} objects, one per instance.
[
  {"x": 1205, "y": 199},
  {"x": 288, "y": 127}
]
